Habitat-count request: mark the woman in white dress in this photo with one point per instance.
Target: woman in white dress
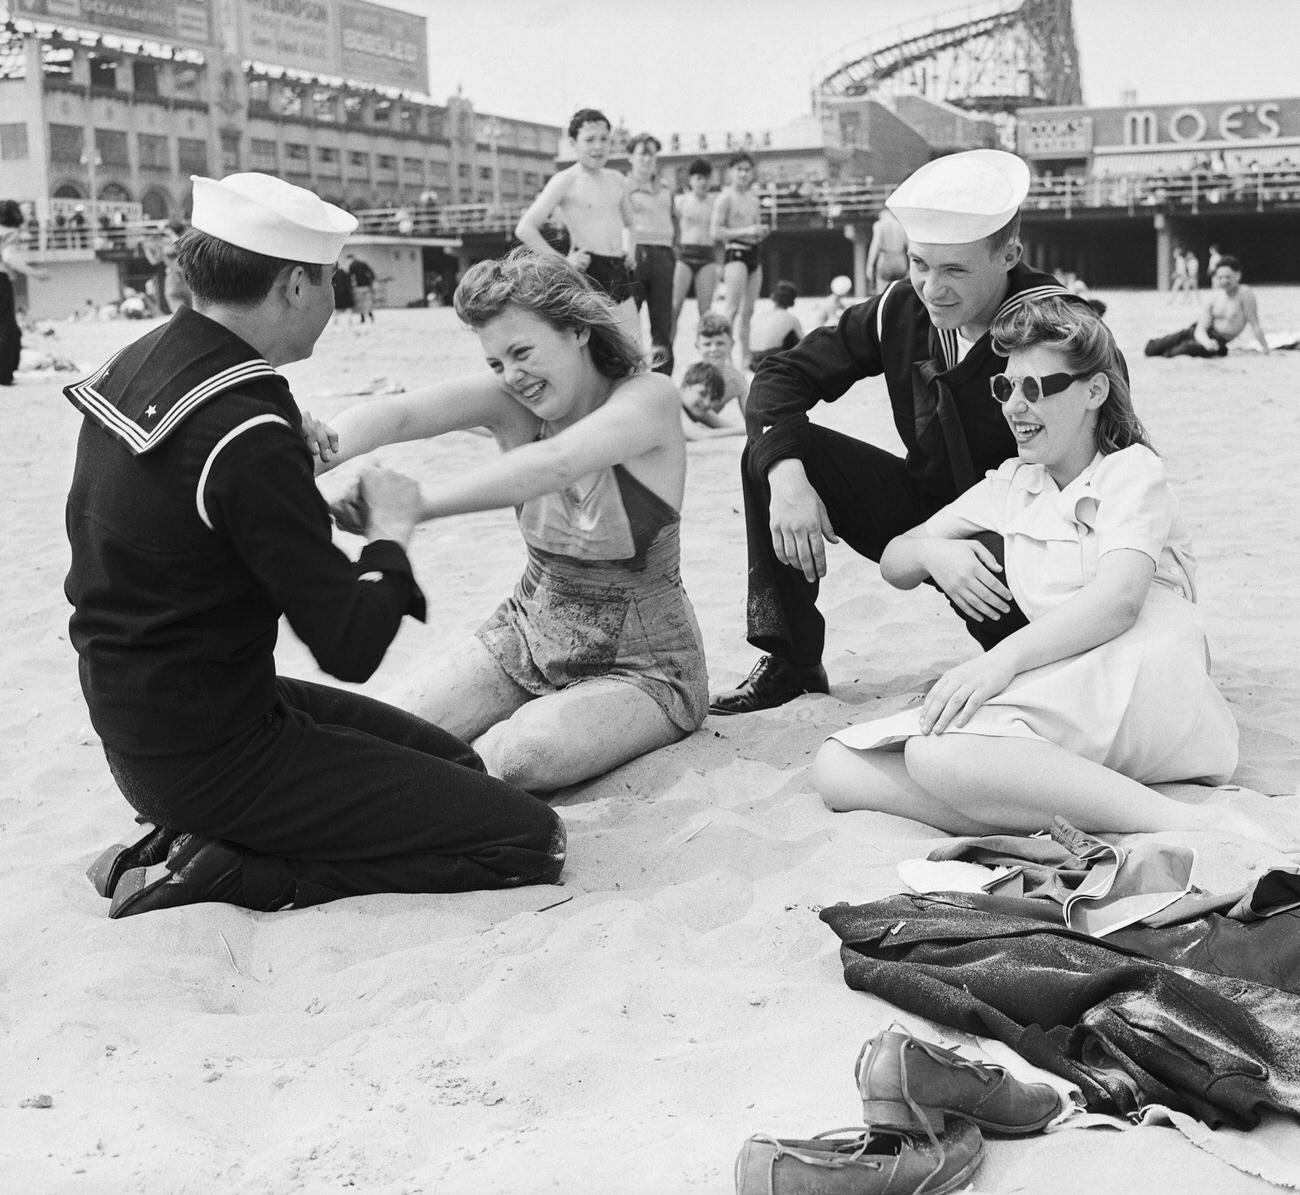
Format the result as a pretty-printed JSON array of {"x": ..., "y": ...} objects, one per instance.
[{"x": 1107, "y": 689}]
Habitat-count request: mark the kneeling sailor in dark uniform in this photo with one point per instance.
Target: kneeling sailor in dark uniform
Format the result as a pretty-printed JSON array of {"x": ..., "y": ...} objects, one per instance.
[{"x": 195, "y": 523}]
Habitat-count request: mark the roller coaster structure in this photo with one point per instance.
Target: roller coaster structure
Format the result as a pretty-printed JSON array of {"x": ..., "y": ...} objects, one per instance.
[{"x": 990, "y": 58}]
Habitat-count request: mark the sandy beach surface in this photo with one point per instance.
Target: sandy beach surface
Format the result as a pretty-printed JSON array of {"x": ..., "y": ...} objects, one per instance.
[{"x": 626, "y": 1030}]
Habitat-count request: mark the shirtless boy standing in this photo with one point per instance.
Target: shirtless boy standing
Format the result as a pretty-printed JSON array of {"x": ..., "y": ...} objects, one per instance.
[
  {"x": 592, "y": 202},
  {"x": 1230, "y": 307},
  {"x": 738, "y": 223},
  {"x": 887, "y": 253},
  {"x": 697, "y": 258}
]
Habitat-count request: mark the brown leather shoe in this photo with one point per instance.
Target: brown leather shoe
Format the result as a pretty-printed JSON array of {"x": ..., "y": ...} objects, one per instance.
[
  {"x": 772, "y": 682},
  {"x": 910, "y": 1085},
  {"x": 860, "y": 1163},
  {"x": 197, "y": 870}
]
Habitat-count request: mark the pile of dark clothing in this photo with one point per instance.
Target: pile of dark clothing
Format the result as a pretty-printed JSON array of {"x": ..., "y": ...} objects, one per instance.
[{"x": 1196, "y": 1006}]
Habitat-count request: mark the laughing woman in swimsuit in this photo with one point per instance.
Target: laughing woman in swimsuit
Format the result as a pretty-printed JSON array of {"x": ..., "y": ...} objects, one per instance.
[{"x": 596, "y": 657}]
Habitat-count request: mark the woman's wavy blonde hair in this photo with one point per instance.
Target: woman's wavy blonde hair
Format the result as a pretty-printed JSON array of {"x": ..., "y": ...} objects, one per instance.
[
  {"x": 1077, "y": 332},
  {"x": 559, "y": 293}
]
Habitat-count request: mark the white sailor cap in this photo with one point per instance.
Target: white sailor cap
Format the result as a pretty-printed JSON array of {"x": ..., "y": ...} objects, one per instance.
[
  {"x": 960, "y": 198},
  {"x": 270, "y": 216}
]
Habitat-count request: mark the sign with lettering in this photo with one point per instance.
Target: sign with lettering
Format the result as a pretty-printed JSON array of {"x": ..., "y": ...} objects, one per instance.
[
  {"x": 355, "y": 39},
  {"x": 175, "y": 22},
  {"x": 384, "y": 45},
  {"x": 302, "y": 34},
  {"x": 1054, "y": 136}
]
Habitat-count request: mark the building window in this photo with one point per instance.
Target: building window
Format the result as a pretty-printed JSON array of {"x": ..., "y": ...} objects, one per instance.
[
  {"x": 13, "y": 142},
  {"x": 153, "y": 152},
  {"x": 462, "y": 172},
  {"x": 66, "y": 142},
  {"x": 144, "y": 77},
  {"x": 383, "y": 112},
  {"x": 327, "y": 159},
  {"x": 353, "y": 110},
  {"x": 437, "y": 124},
  {"x": 414, "y": 167},
  {"x": 358, "y": 159},
  {"x": 324, "y": 106},
  {"x": 409, "y": 118},
  {"x": 262, "y": 154},
  {"x": 103, "y": 72},
  {"x": 290, "y": 101},
  {"x": 185, "y": 80},
  {"x": 192, "y": 155},
  {"x": 111, "y": 146},
  {"x": 229, "y": 151},
  {"x": 386, "y": 162},
  {"x": 296, "y": 158}
]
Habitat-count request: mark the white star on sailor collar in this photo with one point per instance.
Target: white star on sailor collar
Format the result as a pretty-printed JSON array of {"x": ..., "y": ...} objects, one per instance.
[{"x": 150, "y": 411}]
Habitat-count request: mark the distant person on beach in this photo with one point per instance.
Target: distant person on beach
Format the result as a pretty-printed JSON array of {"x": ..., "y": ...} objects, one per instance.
[
  {"x": 805, "y": 485},
  {"x": 363, "y": 287},
  {"x": 1180, "y": 281},
  {"x": 176, "y": 290},
  {"x": 716, "y": 345},
  {"x": 738, "y": 225},
  {"x": 343, "y": 297},
  {"x": 703, "y": 398},
  {"x": 12, "y": 262},
  {"x": 654, "y": 225},
  {"x": 592, "y": 202},
  {"x": 596, "y": 657},
  {"x": 1230, "y": 307},
  {"x": 887, "y": 253},
  {"x": 776, "y": 329},
  {"x": 1105, "y": 689},
  {"x": 195, "y": 525},
  {"x": 841, "y": 296},
  {"x": 697, "y": 253}
]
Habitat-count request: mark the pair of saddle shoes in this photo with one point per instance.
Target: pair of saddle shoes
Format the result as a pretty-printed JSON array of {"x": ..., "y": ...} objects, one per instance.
[{"x": 923, "y": 1108}]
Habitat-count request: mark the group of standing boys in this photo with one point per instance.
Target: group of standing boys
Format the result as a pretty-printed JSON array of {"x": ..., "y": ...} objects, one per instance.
[{"x": 643, "y": 244}]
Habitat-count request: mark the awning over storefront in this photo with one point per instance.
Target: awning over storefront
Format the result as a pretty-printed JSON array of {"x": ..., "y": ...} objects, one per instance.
[{"x": 1269, "y": 155}]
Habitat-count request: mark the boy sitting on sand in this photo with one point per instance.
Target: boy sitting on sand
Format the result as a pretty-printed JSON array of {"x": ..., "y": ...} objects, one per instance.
[
  {"x": 703, "y": 397},
  {"x": 714, "y": 342}
]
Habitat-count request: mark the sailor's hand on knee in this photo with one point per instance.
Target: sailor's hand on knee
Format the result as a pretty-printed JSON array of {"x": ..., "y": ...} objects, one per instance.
[
  {"x": 970, "y": 575},
  {"x": 799, "y": 536},
  {"x": 960, "y": 691}
]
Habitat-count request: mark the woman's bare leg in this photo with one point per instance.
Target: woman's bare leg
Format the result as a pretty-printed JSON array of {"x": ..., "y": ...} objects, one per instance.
[
  {"x": 1019, "y": 785},
  {"x": 464, "y": 692},
  {"x": 850, "y": 779},
  {"x": 579, "y": 732}
]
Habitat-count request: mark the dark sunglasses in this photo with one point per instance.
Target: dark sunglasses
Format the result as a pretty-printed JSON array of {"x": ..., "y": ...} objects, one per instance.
[{"x": 1003, "y": 386}]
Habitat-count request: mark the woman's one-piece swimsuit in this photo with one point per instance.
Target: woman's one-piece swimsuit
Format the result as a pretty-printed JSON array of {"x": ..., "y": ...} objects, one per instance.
[{"x": 602, "y": 598}]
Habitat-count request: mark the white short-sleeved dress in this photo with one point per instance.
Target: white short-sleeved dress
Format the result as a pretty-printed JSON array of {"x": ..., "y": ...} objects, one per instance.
[{"x": 1142, "y": 703}]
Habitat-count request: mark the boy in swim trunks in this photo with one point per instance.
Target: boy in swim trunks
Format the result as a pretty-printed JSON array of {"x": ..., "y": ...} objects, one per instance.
[
  {"x": 592, "y": 202},
  {"x": 738, "y": 223},
  {"x": 887, "y": 253},
  {"x": 697, "y": 256},
  {"x": 714, "y": 342}
]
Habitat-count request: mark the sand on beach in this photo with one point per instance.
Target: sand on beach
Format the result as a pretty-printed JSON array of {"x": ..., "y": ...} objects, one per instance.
[{"x": 626, "y": 1030}]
